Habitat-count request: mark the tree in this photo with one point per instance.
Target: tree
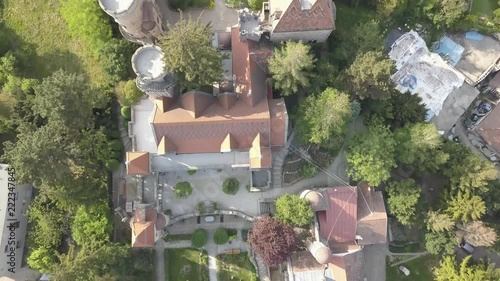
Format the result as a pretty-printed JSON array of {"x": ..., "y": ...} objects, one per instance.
[
  {"x": 476, "y": 233},
  {"x": 491, "y": 198},
  {"x": 370, "y": 75},
  {"x": 465, "y": 207},
  {"x": 221, "y": 236},
  {"x": 420, "y": 144},
  {"x": 42, "y": 259},
  {"x": 370, "y": 158},
  {"x": 272, "y": 240},
  {"x": 191, "y": 55},
  {"x": 255, "y": 4},
  {"x": 403, "y": 200},
  {"x": 127, "y": 93},
  {"x": 115, "y": 57},
  {"x": 438, "y": 222},
  {"x": 440, "y": 243},
  {"x": 8, "y": 67},
  {"x": 291, "y": 67},
  {"x": 470, "y": 172},
  {"x": 87, "y": 21},
  {"x": 326, "y": 75},
  {"x": 66, "y": 99},
  {"x": 446, "y": 12},
  {"x": 230, "y": 186},
  {"x": 91, "y": 224},
  {"x": 293, "y": 210},
  {"x": 183, "y": 189},
  {"x": 386, "y": 8},
  {"x": 323, "y": 116},
  {"x": 199, "y": 238},
  {"x": 448, "y": 270},
  {"x": 367, "y": 37}
]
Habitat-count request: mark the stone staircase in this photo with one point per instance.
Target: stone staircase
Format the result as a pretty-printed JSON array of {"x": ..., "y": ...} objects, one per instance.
[{"x": 278, "y": 163}]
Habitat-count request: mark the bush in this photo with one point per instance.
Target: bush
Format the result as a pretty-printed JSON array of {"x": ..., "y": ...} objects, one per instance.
[
  {"x": 115, "y": 57},
  {"x": 168, "y": 212},
  {"x": 200, "y": 207},
  {"x": 183, "y": 190},
  {"x": 127, "y": 93},
  {"x": 116, "y": 154},
  {"x": 255, "y": 4},
  {"x": 126, "y": 112},
  {"x": 233, "y": 234},
  {"x": 231, "y": 186},
  {"x": 112, "y": 164},
  {"x": 308, "y": 170},
  {"x": 221, "y": 236},
  {"x": 199, "y": 238},
  {"x": 116, "y": 145},
  {"x": 191, "y": 172}
]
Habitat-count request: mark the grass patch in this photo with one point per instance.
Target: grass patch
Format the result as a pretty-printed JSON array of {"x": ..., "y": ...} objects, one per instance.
[
  {"x": 484, "y": 7},
  {"x": 38, "y": 26},
  {"x": 235, "y": 267},
  {"x": 420, "y": 269},
  {"x": 186, "y": 265},
  {"x": 177, "y": 237}
]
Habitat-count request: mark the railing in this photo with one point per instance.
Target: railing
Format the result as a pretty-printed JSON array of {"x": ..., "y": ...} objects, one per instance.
[{"x": 217, "y": 212}]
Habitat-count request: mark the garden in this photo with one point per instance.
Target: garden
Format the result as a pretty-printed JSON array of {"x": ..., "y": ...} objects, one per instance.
[
  {"x": 484, "y": 7},
  {"x": 186, "y": 265},
  {"x": 235, "y": 267},
  {"x": 420, "y": 269}
]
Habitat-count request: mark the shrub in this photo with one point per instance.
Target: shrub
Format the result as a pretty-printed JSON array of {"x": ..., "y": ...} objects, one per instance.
[
  {"x": 233, "y": 234},
  {"x": 126, "y": 112},
  {"x": 200, "y": 207},
  {"x": 127, "y": 93},
  {"x": 191, "y": 172},
  {"x": 112, "y": 164},
  {"x": 231, "y": 186},
  {"x": 221, "y": 236},
  {"x": 308, "y": 170},
  {"x": 116, "y": 145},
  {"x": 199, "y": 238},
  {"x": 293, "y": 210},
  {"x": 116, "y": 154},
  {"x": 115, "y": 57},
  {"x": 168, "y": 212},
  {"x": 183, "y": 189},
  {"x": 255, "y": 4},
  {"x": 113, "y": 134}
]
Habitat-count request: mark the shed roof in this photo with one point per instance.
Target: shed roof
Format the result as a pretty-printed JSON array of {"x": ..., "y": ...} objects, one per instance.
[
  {"x": 138, "y": 163},
  {"x": 338, "y": 223}
]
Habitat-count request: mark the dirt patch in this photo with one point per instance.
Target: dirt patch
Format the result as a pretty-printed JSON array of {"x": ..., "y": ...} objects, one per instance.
[{"x": 432, "y": 187}]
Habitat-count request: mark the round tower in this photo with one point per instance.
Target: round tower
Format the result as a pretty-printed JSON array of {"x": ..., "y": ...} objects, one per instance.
[
  {"x": 320, "y": 252},
  {"x": 140, "y": 21},
  {"x": 152, "y": 78}
]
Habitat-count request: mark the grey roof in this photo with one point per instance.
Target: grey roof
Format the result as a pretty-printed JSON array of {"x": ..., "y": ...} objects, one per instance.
[{"x": 454, "y": 106}]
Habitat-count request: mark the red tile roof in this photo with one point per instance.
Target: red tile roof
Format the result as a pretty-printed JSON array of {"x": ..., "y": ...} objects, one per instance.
[
  {"x": 348, "y": 267},
  {"x": 372, "y": 216},
  {"x": 338, "y": 223},
  {"x": 138, "y": 163},
  {"x": 143, "y": 231},
  {"x": 319, "y": 17},
  {"x": 489, "y": 128}
]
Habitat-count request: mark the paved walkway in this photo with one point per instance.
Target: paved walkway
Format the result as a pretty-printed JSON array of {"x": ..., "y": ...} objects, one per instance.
[
  {"x": 160, "y": 260},
  {"x": 374, "y": 261},
  {"x": 211, "y": 248}
]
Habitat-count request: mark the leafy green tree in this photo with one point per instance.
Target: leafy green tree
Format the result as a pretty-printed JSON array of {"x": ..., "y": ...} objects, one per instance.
[
  {"x": 326, "y": 75},
  {"x": 370, "y": 75},
  {"x": 449, "y": 270},
  {"x": 221, "y": 236},
  {"x": 438, "y": 222},
  {"x": 470, "y": 172},
  {"x": 403, "y": 200},
  {"x": 91, "y": 224},
  {"x": 199, "y": 238},
  {"x": 42, "y": 259},
  {"x": 491, "y": 198},
  {"x": 465, "y": 207},
  {"x": 293, "y": 210},
  {"x": 86, "y": 20},
  {"x": 440, "y": 243},
  {"x": 323, "y": 116},
  {"x": 420, "y": 144},
  {"x": 128, "y": 94},
  {"x": 255, "y": 4},
  {"x": 183, "y": 189},
  {"x": 370, "y": 158},
  {"x": 291, "y": 67},
  {"x": 114, "y": 58},
  {"x": 191, "y": 55},
  {"x": 476, "y": 233},
  {"x": 367, "y": 37},
  {"x": 230, "y": 186},
  {"x": 446, "y": 12},
  {"x": 48, "y": 224},
  {"x": 386, "y": 8},
  {"x": 66, "y": 99},
  {"x": 8, "y": 67}
]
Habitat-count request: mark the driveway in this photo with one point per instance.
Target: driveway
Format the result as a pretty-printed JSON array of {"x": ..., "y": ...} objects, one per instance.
[
  {"x": 483, "y": 253},
  {"x": 221, "y": 17}
]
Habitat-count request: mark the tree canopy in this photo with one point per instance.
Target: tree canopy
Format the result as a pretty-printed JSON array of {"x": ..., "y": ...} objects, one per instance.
[
  {"x": 450, "y": 270},
  {"x": 291, "y": 67},
  {"x": 91, "y": 224},
  {"x": 128, "y": 94},
  {"x": 465, "y": 207},
  {"x": 293, "y": 210},
  {"x": 446, "y": 12},
  {"x": 440, "y": 243},
  {"x": 324, "y": 116},
  {"x": 476, "y": 233},
  {"x": 403, "y": 200},
  {"x": 191, "y": 55},
  {"x": 371, "y": 157},
  {"x": 437, "y": 222},
  {"x": 370, "y": 75},
  {"x": 273, "y": 240}
]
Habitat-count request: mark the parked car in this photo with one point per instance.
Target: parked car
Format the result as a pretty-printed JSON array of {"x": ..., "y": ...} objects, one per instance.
[
  {"x": 405, "y": 270},
  {"x": 467, "y": 247}
]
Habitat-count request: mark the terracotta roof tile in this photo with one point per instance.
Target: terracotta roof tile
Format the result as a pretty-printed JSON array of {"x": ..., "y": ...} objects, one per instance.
[
  {"x": 319, "y": 17},
  {"x": 166, "y": 145},
  {"x": 279, "y": 120},
  {"x": 228, "y": 144},
  {"x": 164, "y": 103},
  {"x": 138, "y": 163},
  {"x": 348, "y": 267},
  {"x": 227, "y": 100},
  {"x": 143, "y": 230},
  {"x": 338, "y": 223},
  {"x": 489, "y": 128},
  {"x": 196, "y": 102}
]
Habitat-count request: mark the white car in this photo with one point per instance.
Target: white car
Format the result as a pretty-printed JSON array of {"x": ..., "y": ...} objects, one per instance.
[{"x": 405, "y": 270}]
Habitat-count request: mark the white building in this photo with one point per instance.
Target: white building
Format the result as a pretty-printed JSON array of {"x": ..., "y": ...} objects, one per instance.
[{"x": 14, "y": 201}]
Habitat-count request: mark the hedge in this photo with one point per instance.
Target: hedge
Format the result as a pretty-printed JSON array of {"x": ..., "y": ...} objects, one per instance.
[
  {"x": 221, "y": 236},
  {"x": 231, "y": 186},
  {"x": 116, "y": 145},
  {"x": 199, "y": 238}
]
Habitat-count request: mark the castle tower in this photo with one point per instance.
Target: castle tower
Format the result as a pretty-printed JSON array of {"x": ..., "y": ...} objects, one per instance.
[
  {"x": 140, "y": 21},
  {"x": 152, "y": 78}
]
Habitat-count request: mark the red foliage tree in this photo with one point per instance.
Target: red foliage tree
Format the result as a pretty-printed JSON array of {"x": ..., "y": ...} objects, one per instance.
[{"x": 272, "y": 240}]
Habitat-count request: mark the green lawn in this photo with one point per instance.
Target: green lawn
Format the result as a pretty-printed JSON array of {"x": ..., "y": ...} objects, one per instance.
[
  {"x": 420, "y": 269},
  {"x": 186, "y": 265},
  {"x": 484, "y": 7},
  {"x": 177, "y": 237},
  {"x": 37, "y": 26},
  {"x": 235, "y": 268}
]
